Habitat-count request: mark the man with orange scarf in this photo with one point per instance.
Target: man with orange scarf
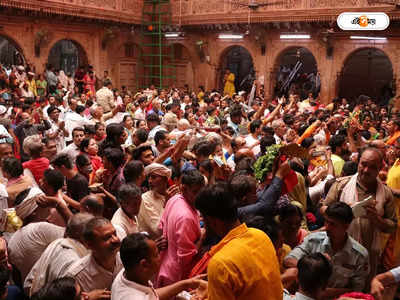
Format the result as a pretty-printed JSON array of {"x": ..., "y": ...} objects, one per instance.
[{"x": 245, "y": 265}]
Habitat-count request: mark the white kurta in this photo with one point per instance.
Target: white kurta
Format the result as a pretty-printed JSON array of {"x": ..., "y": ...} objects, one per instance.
[
  {"x": 123, "y": 224},
  {"x": 151, "y": 210},
  {"x": 91, "y": 276},
  {"x": 28, "y": 243},
  {"x": 54, "y": 262}
]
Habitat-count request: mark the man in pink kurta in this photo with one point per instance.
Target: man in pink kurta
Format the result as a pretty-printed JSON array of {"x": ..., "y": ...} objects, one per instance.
[{"x": 180, "y": 225}]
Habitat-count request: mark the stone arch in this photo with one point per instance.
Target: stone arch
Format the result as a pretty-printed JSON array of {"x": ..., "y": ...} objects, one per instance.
[
  {"x": 184, "y": 67},
  {"x": 298, "y": 52},
  {"x": 245, "y": 72},
  {"x": 367, "y": 70},
  {"x": 67, "y": 54},
  {"x": 11, "y": 53}
]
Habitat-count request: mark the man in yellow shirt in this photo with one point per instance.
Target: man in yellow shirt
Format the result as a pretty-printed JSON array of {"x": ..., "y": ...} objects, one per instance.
[
  {"x": 246, "y": 266},
  {"x": 339, "y": 147}
]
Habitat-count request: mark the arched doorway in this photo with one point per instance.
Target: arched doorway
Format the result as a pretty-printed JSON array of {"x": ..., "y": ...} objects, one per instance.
[
  {"x": 296, "y": 72},
  {"x": 182, "y": 68},
  {"x": 239, "y": 61},
  {"x": 10, "y": 53},
  {"x": 367, "y": 71},
  {"x": 67, "y": 55}
]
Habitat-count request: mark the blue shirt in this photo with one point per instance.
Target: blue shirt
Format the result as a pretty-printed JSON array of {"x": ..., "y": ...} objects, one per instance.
[{"x": 396, "y": 273}]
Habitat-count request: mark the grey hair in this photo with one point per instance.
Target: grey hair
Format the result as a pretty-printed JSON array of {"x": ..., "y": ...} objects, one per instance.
[
  {"x": 276, "y": 123},
  {"x": 88, "y": 232},
  {"x": 31, "y": 142},
  {"x": 128, "y": 192},
  {"x": 214, "y": 137},
  {"x": 76, "y": 225}
]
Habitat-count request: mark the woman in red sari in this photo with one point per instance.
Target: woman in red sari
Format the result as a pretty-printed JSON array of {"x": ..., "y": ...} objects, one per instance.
[
  {"x": 89, "y": 147},
  {"x": 89, "y": 81}
]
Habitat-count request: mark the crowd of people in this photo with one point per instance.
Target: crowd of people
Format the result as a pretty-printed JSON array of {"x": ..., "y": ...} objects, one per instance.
[{"x": 181, "y": 194}]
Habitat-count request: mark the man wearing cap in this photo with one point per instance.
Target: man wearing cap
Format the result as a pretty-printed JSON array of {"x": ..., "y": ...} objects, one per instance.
[
  {"x": 153, "y": 201},
  {"x": 105, "y": 97}
]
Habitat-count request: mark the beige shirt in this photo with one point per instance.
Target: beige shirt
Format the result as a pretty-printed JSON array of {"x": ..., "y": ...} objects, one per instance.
[
  {"x": 123, "y": 224},
  {"x": 91, "y": 276},
  {"x": 28, "y": 243},
  {"x": 54, "y": 262},
  {"x": 105, "y": 98},
  {"x": 150, "y": 213},
  {"x": 123, "y": 289}
]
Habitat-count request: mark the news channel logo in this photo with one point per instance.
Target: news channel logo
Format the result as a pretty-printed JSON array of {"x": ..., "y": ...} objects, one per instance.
[{"x": 363, "y": 21}]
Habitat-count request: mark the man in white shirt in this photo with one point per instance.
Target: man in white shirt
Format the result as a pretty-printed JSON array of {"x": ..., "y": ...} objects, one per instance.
[
  {"x": 153, "y": 201},
  {"x": 57, "y": 130},
  {"x": 141, "y": 260},
  {"x": 98, "y": 269},
  {"x": 125, "y": 218},
  {"x": 73, "y": 119},
  {"x": 78, "y": 134}
]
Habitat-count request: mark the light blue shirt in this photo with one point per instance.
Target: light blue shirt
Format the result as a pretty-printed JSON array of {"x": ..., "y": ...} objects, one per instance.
[
  {"x": 350, "y": 264},
  {"x": 396, "y": 273},
  {"x": 298, "y": 296}
]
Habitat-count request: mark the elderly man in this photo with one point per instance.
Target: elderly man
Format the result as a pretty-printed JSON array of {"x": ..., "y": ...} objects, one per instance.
[
  {"x": 105, "y": 97},
  {"x": 380, "y": 214},
  {"x": 180, "y": 224},
  {"x": 125, "y": 218},
  {"x": 98, "y": 269},
  {"x": 153, "y": 201},
  {"x": 59, "y": 255},
  {"x": 279, "y": 129},
  {"x": 349, "y": 259}
]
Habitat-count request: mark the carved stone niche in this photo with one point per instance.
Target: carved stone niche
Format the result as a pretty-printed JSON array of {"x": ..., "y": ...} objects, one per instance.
[
  {"x": 109, "y": 34},
  {"x": 42, "y": 38}
]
